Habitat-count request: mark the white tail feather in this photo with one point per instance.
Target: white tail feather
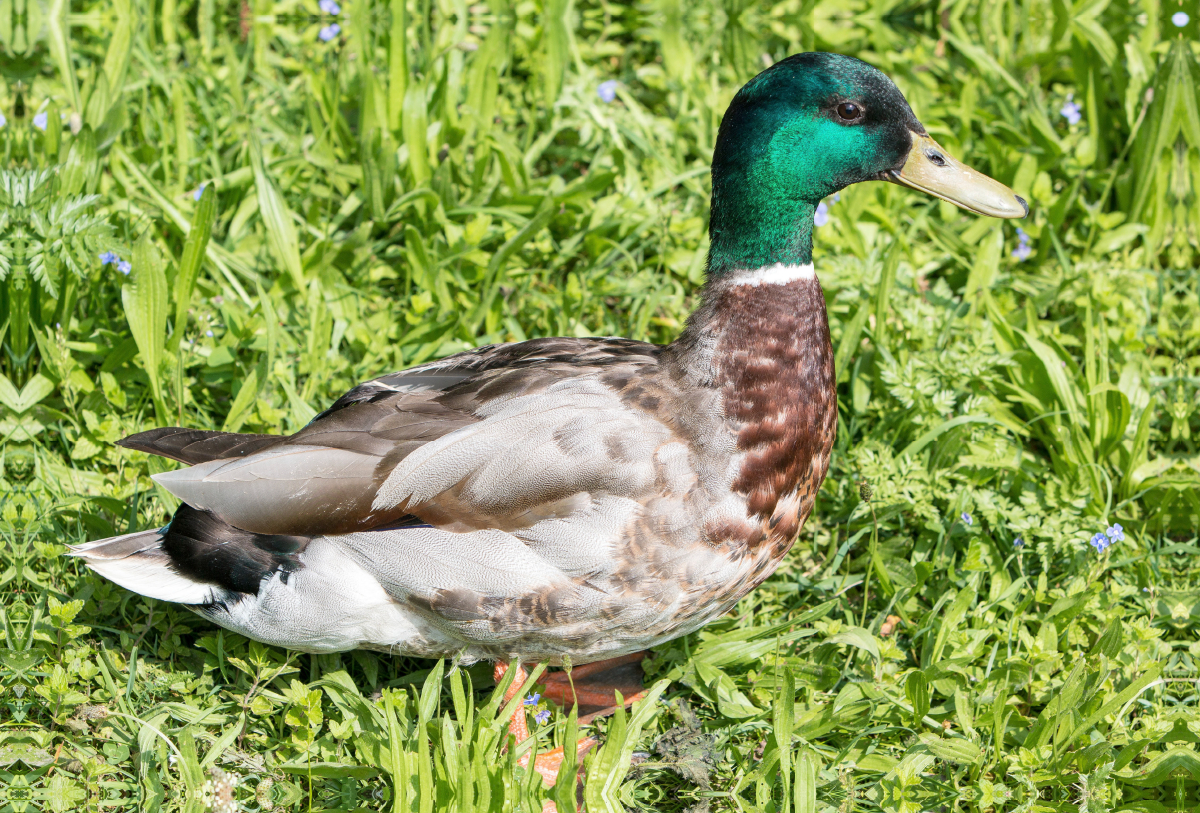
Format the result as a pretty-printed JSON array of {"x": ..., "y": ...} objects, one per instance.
[{"x": 136, "y": 562}]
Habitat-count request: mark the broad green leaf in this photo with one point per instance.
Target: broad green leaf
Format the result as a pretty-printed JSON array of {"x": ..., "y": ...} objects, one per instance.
[
  {"x": 730, "y": 700},
  {"x": 1068, "y": 394},
  {"x": 848, "y": 344},
  {"x": 883, "y": 294},
  {"x": 941, "y": 429},
  {"x": 1110, "y": 642},
  {"x": 554, "y": 41},
  {"x": 189, "y": 263},
  {"x": 961, "y": 751},
  {"x": 808, "y": 768},
  {"x": 859, "y": 638},
  {"x": 397, "y": 62},
  {"x": 277, "y": 218},
  {"x": 985, "y": 266},
  {"x": 1119, "y": 237},
  {"x": 120, "y": 47},
  {"x": 414, "y": 126},
  {"x": 782, "y": 710},
  {"x": 1063, "y": 610},
  {"x": 949, "y": 622},
  {"x": 227, "y": 739},
  {"x": 565, "y": 786},
  {"x": 916, "y": 689},
  {"x": 608, "y": 769},
  {"x": 242, "y": 402},
  {"x": 144, "y": 296},
  {"x": 328, "y": 770},
  {"x": 58, "y": 35},
  {"x": 431, "y": 692},
  {"x": 36, "y": 390},
  {"x": 1114, "y": 704},
  {"x": 82, "y": 165},
  {"x": 1156, "y": 772}
]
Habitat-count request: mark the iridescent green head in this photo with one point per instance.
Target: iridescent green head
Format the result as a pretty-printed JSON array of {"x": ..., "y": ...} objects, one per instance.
[{"x": 807, "y": 127}]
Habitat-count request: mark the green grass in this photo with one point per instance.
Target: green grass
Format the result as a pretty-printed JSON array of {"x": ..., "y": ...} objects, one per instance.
[{"x": 441, "y": 176}]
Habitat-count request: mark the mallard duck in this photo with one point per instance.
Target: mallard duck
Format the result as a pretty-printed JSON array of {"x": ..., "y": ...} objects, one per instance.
[{"x": 558, "y": 497}]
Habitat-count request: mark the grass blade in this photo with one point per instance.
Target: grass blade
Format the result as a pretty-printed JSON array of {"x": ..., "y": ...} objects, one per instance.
[
  {"x": 189, "y": 264},
  {"x": 277, "y": 218},
  {"x": 144, "y": 296}
]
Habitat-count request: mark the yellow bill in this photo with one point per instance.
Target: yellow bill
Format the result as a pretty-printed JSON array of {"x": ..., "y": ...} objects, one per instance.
[{"x": 930, "y": 169}]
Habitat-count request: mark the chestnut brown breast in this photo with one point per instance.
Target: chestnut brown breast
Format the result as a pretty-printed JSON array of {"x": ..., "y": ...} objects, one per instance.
[{"x": 774, "y": 362}]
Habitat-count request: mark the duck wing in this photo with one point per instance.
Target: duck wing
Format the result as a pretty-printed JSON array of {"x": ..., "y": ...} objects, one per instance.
[
  {"x": 194, "y": 446},
  {"x": 496, "y": 438}
]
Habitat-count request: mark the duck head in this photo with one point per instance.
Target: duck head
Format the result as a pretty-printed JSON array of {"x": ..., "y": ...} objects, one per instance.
[{"x": 803, "y": 129}]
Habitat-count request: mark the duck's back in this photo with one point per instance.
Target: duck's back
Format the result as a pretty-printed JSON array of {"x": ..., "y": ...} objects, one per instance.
[{"x": 531, "y": 499}]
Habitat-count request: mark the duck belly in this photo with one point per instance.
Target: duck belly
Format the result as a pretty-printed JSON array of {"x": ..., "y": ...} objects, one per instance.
[
  {"x": 350, "y": 594},
  {"x": 611, "y": 579},
  {"x": 331, "y": 605}
]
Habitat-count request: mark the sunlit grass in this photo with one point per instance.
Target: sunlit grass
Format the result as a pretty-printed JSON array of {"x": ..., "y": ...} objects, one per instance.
[{"x": 438, "y": 176}]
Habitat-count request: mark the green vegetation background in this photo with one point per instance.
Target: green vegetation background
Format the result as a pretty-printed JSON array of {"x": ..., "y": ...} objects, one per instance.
[{"x": 439, "y": 176}]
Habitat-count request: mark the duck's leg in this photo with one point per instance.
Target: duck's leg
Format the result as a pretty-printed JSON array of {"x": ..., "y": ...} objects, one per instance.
[
  {"x": 546, "y": 763},
  {"x": 593, "y": 685}
]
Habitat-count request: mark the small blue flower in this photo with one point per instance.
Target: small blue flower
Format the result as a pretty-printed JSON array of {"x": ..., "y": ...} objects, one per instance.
[
  {"x": 1022, "y": 252},
  {"x": 330, "y": 7},
  {"x": 1022, "y": 237},
  {"x": 1180, "y": 19},
  {"x": 208, "y": 333},
  {"x": 41, "y": 120},
  {"x": 109, "y": 257},
  {"x": 1115, "y": 533},
  {"x": 1018, "y": 543},
  {"x": 836, "y": 197},
  {"x": 607, "y": 91},
  {"x": 532, "y": 700},
  {"x": 967, "y": 518},
  {"x": 1100, "y": 542},
  {"x": 1071, "y": 111},
  {"x": 821, "y": 216},
  {"x": 329, "y": 32},
  {"x": 199, "y": 191},
  {"x": 124, "y": 267},
  {"x": 3, "y": 121},
  {"x": 542, "y": 716}
]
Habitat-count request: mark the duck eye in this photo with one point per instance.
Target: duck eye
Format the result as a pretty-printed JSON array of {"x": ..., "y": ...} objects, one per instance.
[{"x": 849, "y": 111}]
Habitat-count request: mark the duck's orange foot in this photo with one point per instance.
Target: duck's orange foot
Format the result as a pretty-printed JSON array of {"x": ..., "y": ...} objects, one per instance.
[
  {"x": 548, "y": 763},
  {"x": 593, "y": 685}
]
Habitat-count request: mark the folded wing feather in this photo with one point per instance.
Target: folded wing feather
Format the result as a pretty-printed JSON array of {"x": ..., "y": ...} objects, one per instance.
[
  {"x": 537, "y": 450},
  {"x": 478, "y": 456},
  {"x": 287, "y": 489}
]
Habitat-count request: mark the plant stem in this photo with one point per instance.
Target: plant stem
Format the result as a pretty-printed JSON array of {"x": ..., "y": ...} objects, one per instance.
[{"x": 870, "y": 564}]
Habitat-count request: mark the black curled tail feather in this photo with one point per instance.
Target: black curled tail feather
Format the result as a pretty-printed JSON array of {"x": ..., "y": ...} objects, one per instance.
[{"x": 203, "y": 547}]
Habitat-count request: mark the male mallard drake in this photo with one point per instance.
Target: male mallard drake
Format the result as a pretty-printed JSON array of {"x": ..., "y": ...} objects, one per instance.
[{"x": 580, "y": 497}]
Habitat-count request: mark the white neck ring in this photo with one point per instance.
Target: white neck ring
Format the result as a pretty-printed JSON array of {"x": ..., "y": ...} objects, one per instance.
[{"x": 777, "y": 274}]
